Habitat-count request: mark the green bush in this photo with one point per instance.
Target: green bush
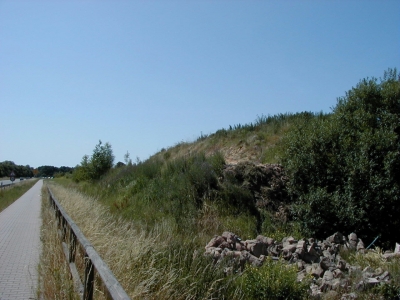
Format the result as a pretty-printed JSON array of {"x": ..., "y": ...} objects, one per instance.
[
  {"x": 97, "y": 165},
  {"x": 344, "y": 168}
]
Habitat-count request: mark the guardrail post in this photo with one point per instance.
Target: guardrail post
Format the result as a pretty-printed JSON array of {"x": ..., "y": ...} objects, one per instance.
[
  {"x": 89, "y": 279},
  {"x": 72, "y": 246},
  {"x": 63, "y": 228}
]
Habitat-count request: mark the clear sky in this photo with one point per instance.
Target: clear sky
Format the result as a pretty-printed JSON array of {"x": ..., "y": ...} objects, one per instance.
[{"x": 146, "y": 75}]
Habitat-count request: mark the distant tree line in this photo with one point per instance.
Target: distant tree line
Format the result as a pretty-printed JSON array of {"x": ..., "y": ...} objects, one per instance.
[
  {"x": 6, "y": 167},
  {"x": 51, "y": 171}
]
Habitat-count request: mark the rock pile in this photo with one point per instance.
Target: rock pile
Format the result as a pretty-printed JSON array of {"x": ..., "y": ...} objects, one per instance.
[{"x": 320, "y": 259}]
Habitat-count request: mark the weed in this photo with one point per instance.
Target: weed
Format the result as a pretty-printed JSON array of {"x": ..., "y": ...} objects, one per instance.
[{"x": 274, "y": 280}]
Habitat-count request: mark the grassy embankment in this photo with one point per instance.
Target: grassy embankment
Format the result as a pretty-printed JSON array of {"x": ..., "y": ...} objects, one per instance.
[
  {"x": 149, "y": 264},
  {"x": 9, "y": 194},
  {"x": 155, "y": 217},
  {"x": 150, "y": 221}
]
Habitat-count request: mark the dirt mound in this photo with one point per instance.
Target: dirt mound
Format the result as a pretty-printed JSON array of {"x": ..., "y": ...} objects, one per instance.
[{"x": 266, "y": 182}]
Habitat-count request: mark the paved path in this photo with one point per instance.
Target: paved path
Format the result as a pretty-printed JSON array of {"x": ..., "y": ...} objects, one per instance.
[{"x": 20, "y": 245}]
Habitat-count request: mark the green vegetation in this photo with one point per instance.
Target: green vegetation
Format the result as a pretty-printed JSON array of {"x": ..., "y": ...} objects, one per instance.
[
  {"x": 344, "y": 169},
  {"x": 342, "y": 174},
  {"x": 9, "y": 194},
  {"x": 51, "y": 171},
  {"x": 95, "y": 166},
  {"x": 156, "y": 263},
  {"x": 273, "y": 280},
  {"x": 6, "y": 167}
]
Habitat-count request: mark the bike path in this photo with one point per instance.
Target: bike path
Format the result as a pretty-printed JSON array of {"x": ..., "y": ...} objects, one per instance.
[{"x": 20, "y": 246}]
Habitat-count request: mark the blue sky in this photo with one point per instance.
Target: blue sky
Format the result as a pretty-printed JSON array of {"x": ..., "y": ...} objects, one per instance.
[{"x": 145, "y": 75}]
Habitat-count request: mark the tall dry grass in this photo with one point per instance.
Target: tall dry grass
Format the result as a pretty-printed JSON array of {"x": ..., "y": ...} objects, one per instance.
[
  {"x": 147, "y": 264},
  {"x": 54, "y": 277}
]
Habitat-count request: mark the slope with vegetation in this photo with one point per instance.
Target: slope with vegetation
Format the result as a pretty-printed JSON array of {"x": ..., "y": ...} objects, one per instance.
[{"x": 336, "y": 172}]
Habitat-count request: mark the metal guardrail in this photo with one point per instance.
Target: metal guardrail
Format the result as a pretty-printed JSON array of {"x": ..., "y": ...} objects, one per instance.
[
  {"x": 70, "y": 232},
  {"x": 3, "y": 186}
]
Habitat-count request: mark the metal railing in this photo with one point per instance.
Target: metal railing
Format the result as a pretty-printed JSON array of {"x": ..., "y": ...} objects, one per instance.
[
  {"x": 3, "y": 186},
  {"x": 71, "y": 236}
]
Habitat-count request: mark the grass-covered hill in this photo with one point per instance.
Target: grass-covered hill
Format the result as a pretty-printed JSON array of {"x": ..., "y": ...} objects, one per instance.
[
  {"x": 212, "y": 184},
  {"x": 337, "y": 172},
  {"x": 302, "y": 175}
]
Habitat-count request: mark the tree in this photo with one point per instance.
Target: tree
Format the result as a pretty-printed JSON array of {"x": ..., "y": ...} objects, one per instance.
[
  {"x": 344, "y": 168},
  {"x": 127, "y": 159},
  {"x": 97, "y": 165},
  {"x": 7, "y": 167},
  {"x": 101, "y": 161}
]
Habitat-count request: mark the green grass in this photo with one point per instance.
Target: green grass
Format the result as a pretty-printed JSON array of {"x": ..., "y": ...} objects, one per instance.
[
  {"x": 162, "y": 262},
  {"x": 259, "y": 141},
  {"x": 173, "y": 204},
  {"x": 375, "y": 260},
  {"x": 9, "y": 194},
  {"x": 273, "y": 280},
  {"x": 181, "y": 185}
]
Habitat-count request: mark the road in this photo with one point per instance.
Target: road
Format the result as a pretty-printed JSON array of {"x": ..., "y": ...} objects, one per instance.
[{"x": 9, "y": 181}]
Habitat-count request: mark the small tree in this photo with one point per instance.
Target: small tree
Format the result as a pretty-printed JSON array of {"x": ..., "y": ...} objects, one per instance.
[
  {"x": 101, "y": 161},
  {"x": 127, "y": 159},
  {"x": 344, "y": 169},
  {"x": 97, "y": 165}
]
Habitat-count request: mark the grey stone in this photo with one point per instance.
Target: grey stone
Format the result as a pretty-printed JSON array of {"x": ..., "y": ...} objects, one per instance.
[
  {"x": 372, "y": 281},
  {"x": 256, "y": 248},
  {"x": 384, "y": 276},
  {"x": 360, "y": 245},
  {"x": 338, "y": 273},
  {"x": 216, "y": 241},
  {"x": 353, "y": 241},
  {"x": 300, "y": 265},
  {"x": 350, "y": 296},
  {"x": 341, "y": 265},
  {"x": 301, "y": 275},
  {"x": 317, "y": 272},
  {"x": 325, "y": 263},
  {"x": 328, "y": 275}
]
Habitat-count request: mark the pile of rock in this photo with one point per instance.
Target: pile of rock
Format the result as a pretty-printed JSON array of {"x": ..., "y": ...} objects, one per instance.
[{"x": 320, "y": 259}]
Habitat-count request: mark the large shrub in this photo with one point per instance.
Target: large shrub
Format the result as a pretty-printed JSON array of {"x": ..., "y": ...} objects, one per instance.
[
  {"x": 97, "y": 165},
  {"x": 344, "y": 168}
]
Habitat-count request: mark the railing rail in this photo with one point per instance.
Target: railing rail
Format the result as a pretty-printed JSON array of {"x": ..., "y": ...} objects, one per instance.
[
  {"x": 93, "y": 261},
  {"x": 3, "y": 186}
]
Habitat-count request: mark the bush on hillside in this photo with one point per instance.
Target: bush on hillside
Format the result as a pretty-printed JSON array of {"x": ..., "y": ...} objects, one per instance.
[
  {"x": 344, "y": 168},
  {"x": 95, "y": 166}
]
